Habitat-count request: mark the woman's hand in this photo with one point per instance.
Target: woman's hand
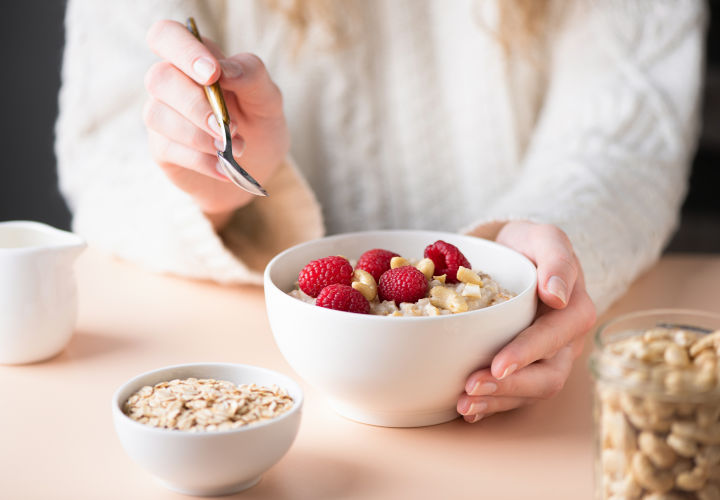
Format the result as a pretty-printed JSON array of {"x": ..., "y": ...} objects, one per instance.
[
  {"x": 183, "y": 133},
  {"x": 536, "y": 364}
]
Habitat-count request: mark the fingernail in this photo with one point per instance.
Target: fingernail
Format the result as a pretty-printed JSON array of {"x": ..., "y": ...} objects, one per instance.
[
  {"x": 204, "y": 68},
  {"x": 483, "y": 389},
  {"x": 472, "y": 419},
  {"x": 218, "y": 144},
  {"x": 214, "y": 125},
  {"x": 508, "y": 371},
  {"x": 231, "y": 69},
  {"x": 477, "y": 407},
  {"x": 558, "y": 288}
]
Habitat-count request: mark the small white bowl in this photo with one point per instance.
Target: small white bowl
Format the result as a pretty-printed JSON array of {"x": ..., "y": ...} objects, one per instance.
[
  {"x": 395, "y": 371},
  {"x": 215, "y": 462}
]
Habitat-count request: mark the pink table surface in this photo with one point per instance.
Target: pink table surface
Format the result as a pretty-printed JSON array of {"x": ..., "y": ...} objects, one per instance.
[{"x": 57, "y": 439}]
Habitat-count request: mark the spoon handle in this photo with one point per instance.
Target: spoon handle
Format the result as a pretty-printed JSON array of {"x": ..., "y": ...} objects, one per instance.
[{"x": 213, "y": 92}]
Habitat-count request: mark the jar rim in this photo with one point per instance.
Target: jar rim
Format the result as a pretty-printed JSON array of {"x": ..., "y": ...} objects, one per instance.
[
  {"x": 602, "y": 327},
  {"x": 607, "y": 367}
]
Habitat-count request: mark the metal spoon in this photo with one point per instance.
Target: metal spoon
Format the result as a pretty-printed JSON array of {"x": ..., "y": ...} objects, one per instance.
[{"x": 235, "y": 172}]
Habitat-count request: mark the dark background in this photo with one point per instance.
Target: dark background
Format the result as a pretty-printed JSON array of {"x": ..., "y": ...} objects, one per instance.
[{"x": 31, "y": 50}]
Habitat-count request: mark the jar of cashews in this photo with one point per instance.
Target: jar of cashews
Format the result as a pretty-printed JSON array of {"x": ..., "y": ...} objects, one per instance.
[{"x": 657, "y": 406}]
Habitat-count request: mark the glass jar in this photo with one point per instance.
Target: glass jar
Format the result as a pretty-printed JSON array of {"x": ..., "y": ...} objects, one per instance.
[{"x": 657, "y": 406}]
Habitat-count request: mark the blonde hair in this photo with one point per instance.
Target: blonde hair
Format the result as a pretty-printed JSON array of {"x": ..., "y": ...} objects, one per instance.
[{"x": 521, "y": 23}]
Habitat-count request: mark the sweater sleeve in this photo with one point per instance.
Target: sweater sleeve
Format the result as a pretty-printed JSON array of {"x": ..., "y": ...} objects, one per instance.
[
  {"x": 121, "y": 201},
  {"x": 608, "y": 160}
]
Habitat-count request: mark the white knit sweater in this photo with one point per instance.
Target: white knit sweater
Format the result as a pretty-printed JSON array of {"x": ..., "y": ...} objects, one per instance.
[{"x": 420, "y": 122}]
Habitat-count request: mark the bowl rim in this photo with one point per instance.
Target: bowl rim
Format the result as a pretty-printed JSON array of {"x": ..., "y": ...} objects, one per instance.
[
  {"x": 117, "y": 404},
  {"x": 530, "y": 289}
]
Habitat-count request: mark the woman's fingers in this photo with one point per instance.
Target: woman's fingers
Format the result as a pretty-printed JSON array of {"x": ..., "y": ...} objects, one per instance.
[
  {"x": 551, "y": 251},
  {"x": 169, "y": 85},
  {"x": 536, "y": 364},
  {"x": 486, "y": 395},
  {"x": 542, "y": 379},
  {"x": 166, "y": 121},
  {"x": 551, "y": 331},
  {"x": 474, "y": 407},
  {"x": 166, "y": 152},
  {"x": 246, "y": 76},
  {"x": 174, "y": 43}
]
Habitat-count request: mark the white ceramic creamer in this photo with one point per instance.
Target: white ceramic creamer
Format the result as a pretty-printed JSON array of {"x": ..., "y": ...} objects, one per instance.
[{"x": 38, "y": 297}]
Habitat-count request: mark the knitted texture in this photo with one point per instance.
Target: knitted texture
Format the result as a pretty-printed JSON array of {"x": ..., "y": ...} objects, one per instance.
[{"x": 418, "y": 122}]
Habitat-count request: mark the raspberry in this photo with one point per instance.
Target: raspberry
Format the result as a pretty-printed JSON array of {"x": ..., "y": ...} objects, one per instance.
[
  {"x": 402, "y": 284},
  {"x": 447, "y": 259},
  {"x": 375, "y": 261},
  {"x": 343, "y": 298},
  {"x": 323, "y": 272}
]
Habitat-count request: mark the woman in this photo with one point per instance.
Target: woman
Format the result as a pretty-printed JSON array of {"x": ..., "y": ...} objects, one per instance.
[{"x": 563, "y": 129}]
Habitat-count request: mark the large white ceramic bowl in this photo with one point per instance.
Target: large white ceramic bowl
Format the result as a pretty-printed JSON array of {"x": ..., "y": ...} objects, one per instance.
[
  {"x": 208, "y": 463},
  {"x": 395, "y": 371}
]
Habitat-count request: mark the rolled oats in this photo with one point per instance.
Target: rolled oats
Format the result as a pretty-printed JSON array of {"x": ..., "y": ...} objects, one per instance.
[{"x": 197, "y": 405}]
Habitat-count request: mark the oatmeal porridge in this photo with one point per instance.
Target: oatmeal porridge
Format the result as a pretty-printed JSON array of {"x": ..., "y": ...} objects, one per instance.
[{"x": 383, "y": 283}]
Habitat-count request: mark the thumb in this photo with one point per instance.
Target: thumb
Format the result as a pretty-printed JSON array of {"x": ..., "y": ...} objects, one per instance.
[
  {"x": 551, "y": 251},
  {"x": 246, "y": 76}
]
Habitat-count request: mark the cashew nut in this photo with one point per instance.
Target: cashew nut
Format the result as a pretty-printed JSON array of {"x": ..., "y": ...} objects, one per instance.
[
  {"x": 709, "y": 341},
  {"x": 660, "y": 408},
  {"x": 691, "y": 480},
  {"x": 364, "y": 283},
  {"x": 448, "y": 299},
  {"x": 466, "y": 275},
  {"x": 427, "y": 267},
  {"x": 625, "y": 489},
  {"x": 618, "y": 432},
  {"x": 705, "y": 379},
  {"x": 649, "y": 422},
  {"x": 396, "y": 262},
  {"x": 684, "y": 338},
  {"x": 630, "y": 403},
  {"x": 705, "y": 358},
  {"x": 675, "y": 382},
  {"x": 656, "y": 449},
  {"x": 676, "y": 356},
  {"x": 654, "y": 351},
  {"x": 703, "y": 435},
  {"x": 647, "y": 476},
  {"x": 683, "y": 446},
  {"x": 614, "y": 462}
]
